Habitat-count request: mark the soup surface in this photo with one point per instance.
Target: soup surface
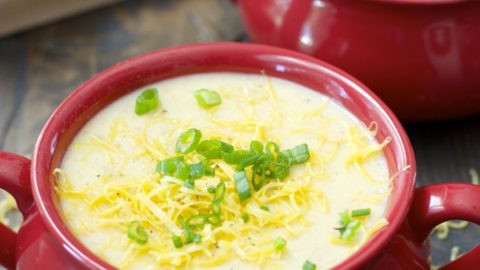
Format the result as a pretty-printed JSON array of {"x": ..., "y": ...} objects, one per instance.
[{"x": 111, "y": 184}]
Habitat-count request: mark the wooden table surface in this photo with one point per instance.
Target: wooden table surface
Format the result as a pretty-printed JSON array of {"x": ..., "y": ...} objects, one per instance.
[{"x": 40, "y": 67}]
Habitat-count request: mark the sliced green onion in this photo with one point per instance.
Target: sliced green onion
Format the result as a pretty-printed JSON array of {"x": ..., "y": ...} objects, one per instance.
[
  {"x": 264, "y": 208},
  {"x": 256, "y": 147},
  {"x": 263, "y": 163},
  {"x": 237, "y": 156},
  {"x": 200, "y": 169},
  {"x": 191, "y": 237},
  {"x": 137, "y": 233},
  {"x": 298, "y": 154},
  {"x": 308, "y": 265},
  {"x": 177, "y": 241},
  {"x": 220, "y": 191},
  {"x": 279, "y": 243},
  {"x": 197, "y": 220},
  {"x": 226, "y": 148},
  {"x": 183, "y": 171},
  {"x": 242, "y": 185},
  {"x": 248, "y": 161},
  {"x": 213, "y": 149},
  {"x": 344, "y": 218},
  {"x": 175, "y": 167},
  {"x": 245, "y": 217},
  {"x": 231, "y": 158},
  {"x": 216, "y": 207},
  {"x": 258, "y": 180},
  {"x": 147, "y": 101},
  {"x": 214, "y": 219},
  {"x": 188, "y": 141},
  {"x": 197, "y": 170},
  {"x": 350, "y": 232},
  {"x": 189, "y": 183},
  {"x": 210, "y": 149},
  {"x": 208, "y": 170},
  {"x": 361, "y": 212},
  {"x": 182, "y": 222},
  {"x": 211, "y": 190},
  {"x": 272, "y": 148},
  {"x": 281, "y": 167},
  {"x": 169, "y": 166},
  {"x": 207, "y": 98},
  {"x": 197, "y": 238},
  {"x": 261, "y": 170}
]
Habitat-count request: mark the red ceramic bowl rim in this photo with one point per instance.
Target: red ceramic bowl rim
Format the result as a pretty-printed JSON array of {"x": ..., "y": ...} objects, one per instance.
[
  {"x": 41, "y": 185},
  {"x": 422, "y": 2}
]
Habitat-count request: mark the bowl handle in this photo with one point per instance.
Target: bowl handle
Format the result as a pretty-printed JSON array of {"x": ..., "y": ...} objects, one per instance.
[
  {"x": 15, "y": 179},
  {"x": 435, "y": 204}
]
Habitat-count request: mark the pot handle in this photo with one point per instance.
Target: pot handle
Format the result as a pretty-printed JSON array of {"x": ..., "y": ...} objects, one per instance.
[
  {"x": 15, "y": 179},
  {"x": 435, "y": 204}
]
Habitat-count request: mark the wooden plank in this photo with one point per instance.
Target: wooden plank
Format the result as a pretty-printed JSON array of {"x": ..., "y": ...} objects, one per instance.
[
  {"x": 17, "y": 15},
  {"x": 63, "y": 55},
  {"x": 445, "y": 152},
  {"x": 12, "y": 82}
]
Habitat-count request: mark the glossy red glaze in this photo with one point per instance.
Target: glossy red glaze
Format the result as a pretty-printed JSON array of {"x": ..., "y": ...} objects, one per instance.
[
  {"x": 15, "y": 178},
  {"x": 420, "y": 56},
  {"x": 432, "y": 205},
  {"x": 8, "y": 246},
  {"x": 45, "y": 240}
]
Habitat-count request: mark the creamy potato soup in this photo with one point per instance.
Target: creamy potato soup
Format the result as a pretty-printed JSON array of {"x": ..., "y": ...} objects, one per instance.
[{"x": 224, "y": 171}]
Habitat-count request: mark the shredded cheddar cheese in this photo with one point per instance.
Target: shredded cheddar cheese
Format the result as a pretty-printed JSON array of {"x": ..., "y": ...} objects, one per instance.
[
  {"x": 158, "y": 201},
  {"x": 7, "y": 204}
]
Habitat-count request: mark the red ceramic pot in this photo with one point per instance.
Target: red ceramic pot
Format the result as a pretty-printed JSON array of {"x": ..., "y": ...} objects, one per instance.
[
  {"x": 421, "y": 57},
  {"x": 44, "y": 240}
]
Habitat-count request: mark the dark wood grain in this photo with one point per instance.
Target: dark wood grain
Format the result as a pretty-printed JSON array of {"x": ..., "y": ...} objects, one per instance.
[
  {"x": 446, "y": 152},
  {"x": 12, "y": 82},
  {"x": 39, "y": 68}
]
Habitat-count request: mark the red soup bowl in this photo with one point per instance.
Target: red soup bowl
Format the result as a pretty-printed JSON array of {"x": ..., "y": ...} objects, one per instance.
[
  {"x": 44, "y": 239},
  {"x": 420, "y": 56}
]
